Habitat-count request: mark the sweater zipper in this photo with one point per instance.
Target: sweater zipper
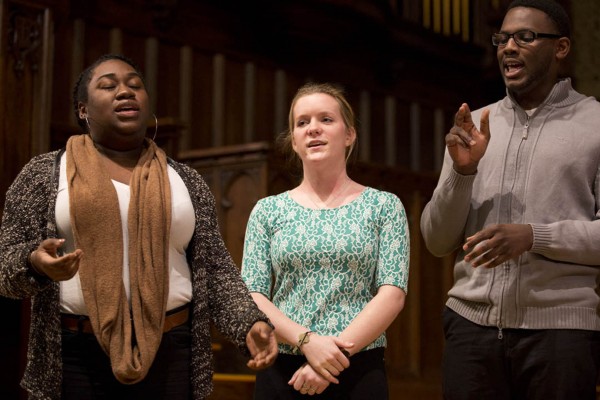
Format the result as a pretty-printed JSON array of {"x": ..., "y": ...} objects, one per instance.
[
  {"x": 526, "y": 129},
  {"x": 500, "y": 306},
  {"x": 505, "y": 266}
]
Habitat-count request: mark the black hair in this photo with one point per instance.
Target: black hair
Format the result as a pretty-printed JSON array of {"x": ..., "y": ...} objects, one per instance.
[
  {"x": 552, "y": 9},
  {"x": 80, "y": 91}
]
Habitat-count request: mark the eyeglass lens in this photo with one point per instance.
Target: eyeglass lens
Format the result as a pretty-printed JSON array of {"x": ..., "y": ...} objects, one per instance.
[{"x": 521, "y": 37}]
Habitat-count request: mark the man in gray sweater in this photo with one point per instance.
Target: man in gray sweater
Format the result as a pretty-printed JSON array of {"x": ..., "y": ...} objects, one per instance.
[{"x": 518, "y": 201}]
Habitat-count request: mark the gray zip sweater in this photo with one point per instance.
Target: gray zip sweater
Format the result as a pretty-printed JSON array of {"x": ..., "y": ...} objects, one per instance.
[
  {"x": 219, "y": 295},
  {"x": 542, "y": 170}
]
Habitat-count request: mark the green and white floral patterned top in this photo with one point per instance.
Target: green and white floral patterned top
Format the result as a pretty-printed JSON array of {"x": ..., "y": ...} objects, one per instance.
[{"x": 321, "y": 267}]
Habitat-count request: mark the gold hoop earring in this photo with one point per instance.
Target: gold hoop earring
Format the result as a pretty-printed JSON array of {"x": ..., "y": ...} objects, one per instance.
[{"x": 155, "y": 127}]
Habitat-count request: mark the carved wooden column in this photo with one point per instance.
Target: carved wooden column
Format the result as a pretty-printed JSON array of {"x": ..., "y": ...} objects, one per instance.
[{"x": 25, "y": 85}]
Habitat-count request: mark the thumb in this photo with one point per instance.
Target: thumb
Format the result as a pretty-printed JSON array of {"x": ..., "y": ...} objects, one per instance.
[
  {"x": 343, "y": 343},
  {"x": 484, "y": 124}
]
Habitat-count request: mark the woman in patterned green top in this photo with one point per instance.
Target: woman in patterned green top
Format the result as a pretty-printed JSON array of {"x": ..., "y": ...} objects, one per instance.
[{"x": 327, "y": 262}]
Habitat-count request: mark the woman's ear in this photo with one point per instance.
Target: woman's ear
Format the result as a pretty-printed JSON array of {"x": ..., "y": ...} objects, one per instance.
[
  {"x": 350, "y": 136},
  {"x": 82, "y": 111}
]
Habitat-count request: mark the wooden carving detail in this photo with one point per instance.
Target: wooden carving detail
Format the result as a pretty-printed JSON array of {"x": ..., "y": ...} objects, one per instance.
[{"x": 25, "y": 29}]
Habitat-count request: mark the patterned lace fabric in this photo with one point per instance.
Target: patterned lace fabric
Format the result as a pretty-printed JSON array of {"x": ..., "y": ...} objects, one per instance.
[{"x": 321, "y": 267}]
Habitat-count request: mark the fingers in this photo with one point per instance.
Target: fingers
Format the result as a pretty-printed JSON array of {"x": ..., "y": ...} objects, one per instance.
[
  {"x": 497, "y": 244},
  {"x": 460, "y": 133},
  {"x": 307, "y": 381},
  {"x": 484, "y": 254},
  {"x": 464, "y": 130},
  {"x": 327, "y": 375},
  {"x": 262, "y": 345},
  {"x": 459, "y": 137},
  {"x": 46, "y": 261},
  {"x": 463, "y": 115},
  {"x": 309, "y": 390}
]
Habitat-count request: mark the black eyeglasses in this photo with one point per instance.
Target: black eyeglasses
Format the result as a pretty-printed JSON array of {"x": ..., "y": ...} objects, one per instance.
[{"x": 521, "y": 37}]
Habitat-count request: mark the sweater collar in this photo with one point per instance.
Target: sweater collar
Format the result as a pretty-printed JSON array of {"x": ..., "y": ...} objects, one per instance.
[{"x": 561, "y": 95}]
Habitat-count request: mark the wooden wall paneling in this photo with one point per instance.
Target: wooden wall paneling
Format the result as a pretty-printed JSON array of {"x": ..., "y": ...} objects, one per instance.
[
  {"x": 293, "y": 82},
  {"x": 426, "y": 135},
  {"x": 243, "y": 188},
  {"x": 218, "y": 100},
  {"x": 377, "y": 139},
  {"x": 26, "y": 85},
  {"x": 363, "y": 111},
  {"x": 238, "y": 177},
  {"x": 26, "y": 81},
  {"x": 283, "y": 91},
  {"x": 64, "y": 76},
  {"x": 403, "y": 354},
  {"x": 150, "y": 69},
  {"x": 168, "y": 82},
  {"x": 135, "y": 46},
  {"x": 415, "y": 135},
  {"x": 26, "y": 51},
  {"x": 201, "y": 115},
  {"x": 264, "y": 103},
  {"x": 389, "y": 133},
  {"x": 402, "y": 134},
  {"x": 115, "y": 41},
  {"x": 97, "y": 42},
  {"x": 414, "y": 331},
  {"x": 185, "y": 94},
  {"x": 248, "y": 128},
  {"x": 234, "y": 105}
]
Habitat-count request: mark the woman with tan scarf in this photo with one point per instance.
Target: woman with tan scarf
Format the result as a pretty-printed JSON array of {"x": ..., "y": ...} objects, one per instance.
[{"x": 119, "y": 249}]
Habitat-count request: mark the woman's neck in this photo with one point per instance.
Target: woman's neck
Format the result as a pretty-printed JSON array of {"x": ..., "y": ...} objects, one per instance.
[
  {"x": 323, "y": 183},
  {"x": 124, "y": 158}
]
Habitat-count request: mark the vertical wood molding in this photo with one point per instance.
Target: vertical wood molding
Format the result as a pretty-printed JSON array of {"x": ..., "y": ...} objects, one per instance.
[
  {"x": 249, "y": 99},
  {"x": 280, "y": 120},
  {"x": 364, "y": 112},
  {"x": 115, "y": 41},
  {"x": 585, "y": 56},
  {"x": 77, "y": 56},
  {"x": 29, "y": 52},
  {"x": 390, "y": 130},
  {"x": 438, "y": 138},
  {"x": 151, "y": 71},
  {"x": 414, "y": 304},
  {"x": 185, "y": 95},
  {"x": 415, "y": 137},
  {"x": 40, "y": 138},
  {"x": 218, "y": 115}
]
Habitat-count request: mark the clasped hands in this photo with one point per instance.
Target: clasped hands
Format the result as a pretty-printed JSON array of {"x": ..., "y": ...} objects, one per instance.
[{"x": 326, "y": 360}]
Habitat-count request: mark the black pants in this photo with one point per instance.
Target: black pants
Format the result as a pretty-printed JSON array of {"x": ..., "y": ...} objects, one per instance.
[
  {"x": 87, "y": 373},
  {"x": 524, "y": 364},
  {"x": 365, "y": 379}
]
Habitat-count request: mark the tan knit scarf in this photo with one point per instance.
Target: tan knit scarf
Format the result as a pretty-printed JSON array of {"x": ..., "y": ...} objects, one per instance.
[{"x": 96, "y": 224}]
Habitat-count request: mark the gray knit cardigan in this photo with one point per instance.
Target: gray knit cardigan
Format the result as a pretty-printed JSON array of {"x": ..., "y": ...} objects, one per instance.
[{"x": 219, "y": 294}]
